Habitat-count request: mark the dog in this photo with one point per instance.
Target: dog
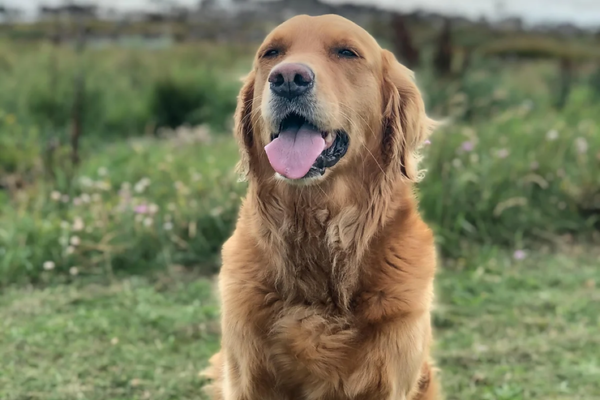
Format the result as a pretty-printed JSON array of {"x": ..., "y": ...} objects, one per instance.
[{"x": 326, "y": 283}]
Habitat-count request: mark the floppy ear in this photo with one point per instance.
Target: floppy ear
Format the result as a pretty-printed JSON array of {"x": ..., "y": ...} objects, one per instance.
[
  {"x": 243, "y": 130},
  {"x": 405, "y": 123}
]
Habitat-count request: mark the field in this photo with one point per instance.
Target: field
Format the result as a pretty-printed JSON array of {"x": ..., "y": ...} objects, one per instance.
[{"x": 106, "y": 267}]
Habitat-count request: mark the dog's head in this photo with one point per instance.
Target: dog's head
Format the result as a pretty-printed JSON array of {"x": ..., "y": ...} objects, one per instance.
[{"x": 323, "y": 99}]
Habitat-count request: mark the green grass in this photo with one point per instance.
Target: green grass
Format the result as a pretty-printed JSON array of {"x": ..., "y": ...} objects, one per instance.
[
  {"x": 132, "y": 339},
  {"x": 508, "y": 330}
]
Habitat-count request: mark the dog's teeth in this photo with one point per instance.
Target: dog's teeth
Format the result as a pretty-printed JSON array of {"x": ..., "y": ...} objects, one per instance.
[{"x": 329, "y": 138}]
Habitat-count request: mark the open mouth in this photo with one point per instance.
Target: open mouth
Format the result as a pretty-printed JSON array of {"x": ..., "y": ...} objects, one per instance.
[{"x": 301, "y": 150}]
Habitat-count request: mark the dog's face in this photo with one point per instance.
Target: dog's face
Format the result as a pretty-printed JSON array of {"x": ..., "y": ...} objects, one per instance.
[{"x": 324, "y": 97}]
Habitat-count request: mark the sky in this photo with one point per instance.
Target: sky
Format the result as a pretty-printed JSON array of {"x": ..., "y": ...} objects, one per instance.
[{"x": 580, "y": 12}]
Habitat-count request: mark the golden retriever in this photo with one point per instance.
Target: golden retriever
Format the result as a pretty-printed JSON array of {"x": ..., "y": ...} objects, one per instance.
[{"x": 327, "y": 282}]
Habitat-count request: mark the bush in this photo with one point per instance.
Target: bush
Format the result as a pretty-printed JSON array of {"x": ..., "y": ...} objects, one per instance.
[{"x": 134, "y": 207}]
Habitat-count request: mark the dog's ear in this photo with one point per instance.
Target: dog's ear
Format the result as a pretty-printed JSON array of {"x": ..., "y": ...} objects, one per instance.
[
  {"x": 243, "y": 127},
  {"x": 405, "y": 123}
]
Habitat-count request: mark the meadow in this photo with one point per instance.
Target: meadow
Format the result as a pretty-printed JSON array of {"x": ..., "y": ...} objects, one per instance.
[{"x": 106, "y": 267}]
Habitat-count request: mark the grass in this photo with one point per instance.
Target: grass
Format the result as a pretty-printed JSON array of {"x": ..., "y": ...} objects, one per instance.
[
  {"x": 508, "y": 330},
  {"x": 132, "y": 339}
]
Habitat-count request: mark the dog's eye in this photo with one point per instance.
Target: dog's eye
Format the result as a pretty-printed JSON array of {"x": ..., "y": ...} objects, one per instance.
[
  {"x": 347, "y": 53},
  {"x": 271, "y": 53}
]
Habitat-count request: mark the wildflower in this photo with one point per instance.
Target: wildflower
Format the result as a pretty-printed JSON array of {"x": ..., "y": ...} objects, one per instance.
[
  {"x": 85, "y": 198},
  {"x": 552, "y": 135},
  {"x": 86, "y": 181},
  {"x": 215, "y": 212},
  {"x": 78, "y": 224},
  {"x": 167, "y": 226},
  {"x": 64, "y": 198},
  {"x": 148, "y": 221},
  {"x": 457, "y": 163},
  {"x": 467, "y": 146},
  {"x": 55, "y": 195},
  {"x": 77, "y": 201},
  {"x": 519, "y": 255},
  {"x": 102, "y": 171},
  {"x": 502, "y": 153},
  {"x": 114, "y": 341},
  {"x": 103, "y": 185},
  {"x": 74, "y": 271},
  {"x": 49, "y": 265},
  {"x": 141, "y": 209},
  {"x": 582, "y": 145},
  {"x": 75, "y": 241},
  {"x": 70, "y": 250},
  {"x": 180, "y": 187},
  {"x": 427, "y": 142},
  {"x": 152, "y": 208},
  {"x": 141, "y": 185}
]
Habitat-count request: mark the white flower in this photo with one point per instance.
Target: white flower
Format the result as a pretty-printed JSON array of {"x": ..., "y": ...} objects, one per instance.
[
  {"x": 457, "y": 163},
  {"x": 582, "y": 145},
  {"x": 102, "y": 171},
  {"x": 215, "y": 212},
  {"x": 552, "y": 135},
  {"x": 148, "y": 221},
  {"x": 502, "y": 153},
  {"x": 141, "y": 185},
  {"x": 70, "y": 250},
  {"x": 49, "y": 265},
  {"x": 75, "y": 241},
  {"x": 85, "y": 181},
  {"x": 102, "y": 185},
  {"x": 78, "y": 224},
  {"x": 55, "y": 195},
  {"x": 74, "y": 271},
  {"x": 152, "y": 208},
  {"x": 77, "y": 201},
  {"x": 167, "y": 226},
  {"x": 85, "y": 198}
]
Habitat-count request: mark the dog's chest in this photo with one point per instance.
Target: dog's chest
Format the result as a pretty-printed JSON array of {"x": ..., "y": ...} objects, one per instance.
[{"x": 309, "y": 344}]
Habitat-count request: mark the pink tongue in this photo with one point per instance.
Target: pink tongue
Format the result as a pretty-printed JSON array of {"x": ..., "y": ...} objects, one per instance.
[{"x": 295, "y": 150}]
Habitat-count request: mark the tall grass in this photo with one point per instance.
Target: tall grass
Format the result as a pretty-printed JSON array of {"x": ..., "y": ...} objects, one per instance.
[{"x": 509, "y": 169}]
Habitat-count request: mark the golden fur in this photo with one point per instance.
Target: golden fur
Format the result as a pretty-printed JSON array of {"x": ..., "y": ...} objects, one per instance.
[{"x": 326, "y": 287}]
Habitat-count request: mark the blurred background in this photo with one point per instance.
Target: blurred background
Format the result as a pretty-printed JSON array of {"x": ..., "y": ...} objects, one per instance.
[{"x": 117, "y": 188}]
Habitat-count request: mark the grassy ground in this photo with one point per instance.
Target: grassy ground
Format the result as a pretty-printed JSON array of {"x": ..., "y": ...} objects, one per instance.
[{"x": 509, "y": 330}]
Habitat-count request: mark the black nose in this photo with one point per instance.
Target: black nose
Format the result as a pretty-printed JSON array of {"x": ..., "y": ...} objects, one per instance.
[{"x": 291, "y": 80}]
